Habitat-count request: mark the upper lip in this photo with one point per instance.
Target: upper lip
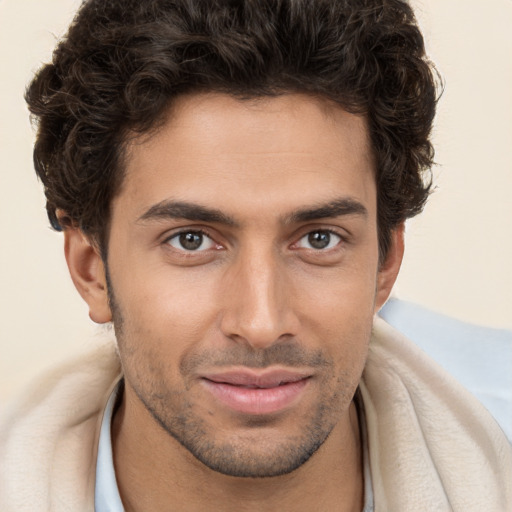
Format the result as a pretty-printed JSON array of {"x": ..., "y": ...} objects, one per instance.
[{"x": 258, "y": 379}]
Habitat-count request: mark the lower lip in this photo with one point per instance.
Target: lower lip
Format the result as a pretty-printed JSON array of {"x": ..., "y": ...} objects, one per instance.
[{"x": 257, "y": 400}]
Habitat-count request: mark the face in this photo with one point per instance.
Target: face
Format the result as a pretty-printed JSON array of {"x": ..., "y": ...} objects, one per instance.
[{"x": 243, "y": 276}]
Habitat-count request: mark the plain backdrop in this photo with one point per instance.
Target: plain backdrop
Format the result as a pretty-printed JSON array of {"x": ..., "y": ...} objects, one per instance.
[{"x": 459, "y": 252}]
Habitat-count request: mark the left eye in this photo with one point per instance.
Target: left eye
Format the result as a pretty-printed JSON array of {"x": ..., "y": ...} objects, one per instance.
[
  {"x": 319, "y": 240},
  {"x": 191, "y": 241}
]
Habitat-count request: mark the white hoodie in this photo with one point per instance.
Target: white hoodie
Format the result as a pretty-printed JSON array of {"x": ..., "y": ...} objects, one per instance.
[{"x": 433, "y": 447}]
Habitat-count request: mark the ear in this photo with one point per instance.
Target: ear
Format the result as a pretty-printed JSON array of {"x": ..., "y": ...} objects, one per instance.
[
  {"x": 88, "y": 273},
  {"x": 388, "y": 270}
]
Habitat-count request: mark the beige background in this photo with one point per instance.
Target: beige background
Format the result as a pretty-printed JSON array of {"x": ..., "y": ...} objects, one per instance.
[{"x": 458, "y": 252}]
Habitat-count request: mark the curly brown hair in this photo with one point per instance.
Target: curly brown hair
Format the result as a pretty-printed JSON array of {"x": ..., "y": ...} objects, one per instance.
[{"x": 123, "y": 61}]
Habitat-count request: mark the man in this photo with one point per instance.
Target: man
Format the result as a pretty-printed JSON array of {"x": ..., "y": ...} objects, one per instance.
[{"x": 232, "y": 180}]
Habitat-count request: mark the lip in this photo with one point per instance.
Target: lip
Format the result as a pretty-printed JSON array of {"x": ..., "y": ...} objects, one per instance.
[{"x": 257, "y": 392}]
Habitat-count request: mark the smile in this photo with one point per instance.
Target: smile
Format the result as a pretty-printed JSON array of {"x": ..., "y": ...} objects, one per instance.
[{"x": 247, "y": 392}]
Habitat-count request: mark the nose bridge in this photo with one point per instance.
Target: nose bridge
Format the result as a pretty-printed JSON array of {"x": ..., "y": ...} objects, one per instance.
[{"x": 257, "y": 309}]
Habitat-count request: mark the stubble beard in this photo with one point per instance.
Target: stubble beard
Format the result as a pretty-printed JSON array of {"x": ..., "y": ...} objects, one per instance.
[{"x": 250, "y": 455}]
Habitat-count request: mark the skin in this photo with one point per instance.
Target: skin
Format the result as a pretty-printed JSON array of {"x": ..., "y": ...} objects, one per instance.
[{"x": 258, "y": 183}]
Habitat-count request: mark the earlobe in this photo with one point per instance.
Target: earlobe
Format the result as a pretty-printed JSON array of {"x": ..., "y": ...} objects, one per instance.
[
  {"x": 88, "y": 273},
  {"x": 389, "y": 269}
]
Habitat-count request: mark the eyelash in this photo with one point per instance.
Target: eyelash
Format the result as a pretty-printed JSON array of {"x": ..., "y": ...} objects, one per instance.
[
  {"x": 198, "y": 231},
  {"x": 341, "y": 239},
  {"x": 205, "y": 234}
]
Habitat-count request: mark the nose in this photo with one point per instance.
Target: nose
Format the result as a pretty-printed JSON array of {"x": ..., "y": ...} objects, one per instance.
[{"x": 258, "y": 300}]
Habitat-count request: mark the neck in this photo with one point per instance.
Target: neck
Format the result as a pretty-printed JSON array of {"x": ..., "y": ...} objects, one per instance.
[{"x": 153, "y": 470}]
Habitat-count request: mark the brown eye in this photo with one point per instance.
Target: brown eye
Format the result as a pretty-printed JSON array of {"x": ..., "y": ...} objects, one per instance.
[
  {"x": 191, "y": 241},
  {"x": 320, "y": 239}
]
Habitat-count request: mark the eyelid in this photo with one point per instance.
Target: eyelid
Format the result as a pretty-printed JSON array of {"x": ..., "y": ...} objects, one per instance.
[
  {"x": 333, "y": 234},
  {"x": 196, "y": 230},
  {"x": 340, "y": 233}
]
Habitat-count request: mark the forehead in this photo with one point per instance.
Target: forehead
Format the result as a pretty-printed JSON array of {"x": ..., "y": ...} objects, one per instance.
[{"x": 274, "y": 152}]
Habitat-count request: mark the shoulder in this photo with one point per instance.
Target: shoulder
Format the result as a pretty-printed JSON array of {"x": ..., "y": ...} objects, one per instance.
[
  {"x": 432, "y": 444},
  {"x": 478, "y": 357},
  {"x": 48, "y": 434}
]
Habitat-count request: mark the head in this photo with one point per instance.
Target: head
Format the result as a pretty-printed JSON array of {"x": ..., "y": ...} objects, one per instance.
[
  {"x": 233, "y": 179},
  {"x": 123, "y": 64}
]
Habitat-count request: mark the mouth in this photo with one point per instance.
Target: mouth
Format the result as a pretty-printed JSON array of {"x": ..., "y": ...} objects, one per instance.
[{"x": 256, "y": 393}]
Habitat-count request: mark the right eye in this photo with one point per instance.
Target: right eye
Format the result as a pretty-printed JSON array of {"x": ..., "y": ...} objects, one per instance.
[{"x": 191, "y": 241}]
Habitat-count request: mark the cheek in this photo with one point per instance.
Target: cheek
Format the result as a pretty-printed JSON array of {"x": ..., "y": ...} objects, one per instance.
[
  {"x": 342, "y": 299},
  {"x": 340, "y": 317},
  {"x": 163, "y": 319}
]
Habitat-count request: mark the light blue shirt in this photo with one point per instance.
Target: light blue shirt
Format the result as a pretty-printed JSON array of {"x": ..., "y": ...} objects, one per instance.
[
  {"x": 106, "y": 494},
  {"x": 107, "y": 498},
  {"x": 479, "y": 357}
]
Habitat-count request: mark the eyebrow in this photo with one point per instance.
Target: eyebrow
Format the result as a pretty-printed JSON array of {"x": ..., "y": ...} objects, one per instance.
[
  {"x": 336, "y": 208},
  {"x": 169, "y": 209}
]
